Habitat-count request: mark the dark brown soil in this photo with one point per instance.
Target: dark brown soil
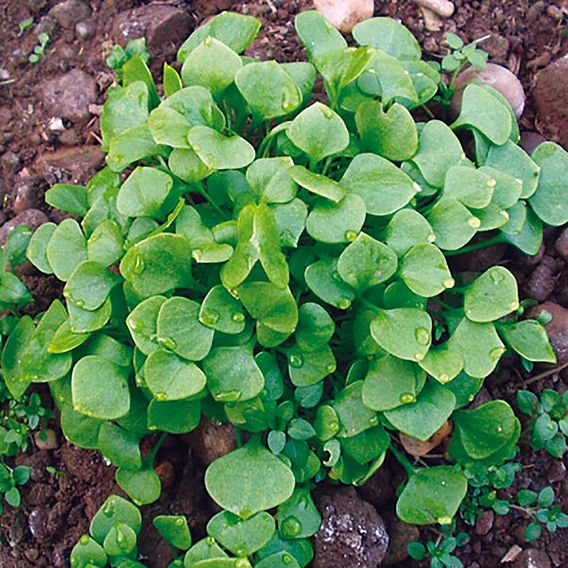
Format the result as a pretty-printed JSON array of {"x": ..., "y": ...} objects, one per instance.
[{"x": 57, "y": 506}]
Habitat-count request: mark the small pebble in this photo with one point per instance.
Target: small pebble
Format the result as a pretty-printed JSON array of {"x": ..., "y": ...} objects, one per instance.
[
  {"x": 556, "y": 472},
  {"x": 86, "y": 29},
  {"x": 345, "y": 14},
  {"x": 532, "y": 558},
  {"x": 46, "y": 439},
  {"x": 484, "y": 522}
]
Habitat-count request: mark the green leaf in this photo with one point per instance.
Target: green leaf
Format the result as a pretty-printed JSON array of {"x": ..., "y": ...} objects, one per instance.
[
  {"x": 278, "y": 560},
  {"x": 308, "y": 368},
  {"x": 439, "y": 149},
  {"x": 454, "y": 225},
  {"x": 170, "y": 377},
  {"x": 270, "y": 306},
  {"x": 384, "y": 188},
  {"x": 479, "y": 345},
  {"x": 524, "y": 229},
  {"x": 169, "y": 127},
  {"x": 480, "y": 109},
  {"x": 319, "y": 132},
  {"x": 158, "y": 264},
  {"x": 533, "y": 531},
  {"x": 175, "y": 417},
  {"x": 235, "y": 30},
  {"x": 513, "y": 160},
  {"x": 241, "y": 537},
  {"x": 268, "y": 89},
  {"x": 317, "y": 34},
  {"x": 144, "y": 192},
  {"x": 530, "y": 340},
  {"x": 318, "y": 184},
  {"x": 425, "y": 271},
  {"x": 549, "y": 201},
  {"x": 135, "y": 69},
  {"x": 174, "y": 529},
  {"x": 269, "y": 179},
  {"x": 391, "y": 382},
  {"x": 126, "y": 108},
  {"x": 100, "y": 388},
  {"x": 211, "y": 64},
  {"x": 142, "y": 323},
  {"x": 120, "y": 447},
  {"x": 391, "y": 134},
  {"x": 66, "y": 340},
  {"x": 87, "y": 552},
  {"x": 290, "y": 221},
  {"x": 492, "y": 295},
  {"x": 340, "y": 222},
  {"x": 84, "y": 321},
  {"x": 66, "y": 248},
  {"x": 367, "y": 446},
  {"x": 14, "y": 348},
  {"x": 474, "y": 188},
  {"x": 432, "y": 495},
  {"x": 180, "y": 330},
  {"x": 66, "y": 197},
  {"x": 298, "y": 516},
  {"x": 324, "y": 281},
  {"x": 366, "y": 262},
  {"x": 37, "y": 364},
  {"x": 221, "y": 312},
  {"x": 172, "y": 81},
  {"x": 232, "y": 374},
  {"x": 79, "y": 429},
  {"x": 106, "y": 244},
  {"x": 89, "y": 285},
  {"x": 403, "y": 332},
  {"x": 315, "y": 327},
  {"x": 423, "y": 418},
  {"x": 37, "y": 247},
  {"x": 442, "y": 363},
  {"x": 249, "y": 480},
  {"x": 142, "y": 486},
  {"x": 390, "y": 36},
  {"x": 220, "y": 152},
  {"x": 406, "y": 229},
  {"x": 484, "y": 430},
  {"x": 197, "y": 107},
  {"x": 300, "y": 429},
  {"x": 354, "y": 416}
]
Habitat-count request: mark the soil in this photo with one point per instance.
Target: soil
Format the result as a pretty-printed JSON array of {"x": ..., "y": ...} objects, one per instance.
[{"x": 41, "y": 144}]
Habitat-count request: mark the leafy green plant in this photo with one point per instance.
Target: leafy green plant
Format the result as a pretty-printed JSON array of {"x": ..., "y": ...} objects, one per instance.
[
  {"x": 281, "y": 265},
  {"x": 440, "y": 551},
  {"x": 549, "y": 419},
  {"x": 120, "y": 56},
  {"x": 43, "y": 40},
  {"x": 10, "y": 479},
  {"x": 25, "y": 25},
  {"x": 541, "y": 509}
]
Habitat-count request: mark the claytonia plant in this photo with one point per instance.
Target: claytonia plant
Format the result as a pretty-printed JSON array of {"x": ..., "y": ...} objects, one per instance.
[{"x": 253, "y": 256}]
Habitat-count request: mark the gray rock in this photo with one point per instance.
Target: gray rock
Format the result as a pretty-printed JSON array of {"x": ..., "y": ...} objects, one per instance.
[
  {"x": 86, "y": 29},
  {"x": 352, "y": 534},
  {"x": 561, "y": 244},
  {"x": 532, "y": 558},
  {"x": 28, "y": 194},
  {"x": 37, "y": 523},
  {"x": 69, "y": 13},
  {"x": 556, "y": 472},
  {"x": 69, "y": 95},
  {"x": 400, "y": 534},
  {"x": 31, "y": 217},
  {"x": 484, "y": 522},
  {"x": 551, "y": 98}
]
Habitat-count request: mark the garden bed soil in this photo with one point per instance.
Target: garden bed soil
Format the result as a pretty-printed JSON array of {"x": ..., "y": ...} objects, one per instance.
[{"x": 49, "y": 133}]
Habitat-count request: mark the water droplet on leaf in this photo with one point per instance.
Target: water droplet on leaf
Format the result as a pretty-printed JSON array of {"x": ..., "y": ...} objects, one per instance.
[
  {"x": 290, "y": 527},
  {"x": 209, "y": 316},
  {"x": 407, "y": 398},
  {"x": 343, "y": 303},
  {"x": 474, "y": 222},
  {"x": 238, "y": 317},
  {"x": 422, "y": 336},
  {"x": 296, "y": 361},
  {"x": 350, "y": 235}
]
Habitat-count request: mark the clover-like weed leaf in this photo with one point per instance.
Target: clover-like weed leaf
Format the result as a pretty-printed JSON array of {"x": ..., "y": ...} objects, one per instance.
[
  {"x": 270, "y": 179},
  {"x": 391, "y": 134},
  {"x": 114, "y": 510},
  {"x": 549, "y": 200},
  {"x": 480, "y": 109},
  {"x": 454, "y": 225},
  {"x": 66, "y": 248},
  {"x": 175, "y": 417},
  {"x": 423, "y": 418},
  {"x": 479, "y": 345},
  {"x": 174, "y": 529},
  {"x": 119, "y": 446},
  {"x": 319, "y": 132},
  {"x": 318, "y": 184},
  {"x": 392, "y": 382},
  {"x": 309, "y": 367},
  {"x": 88, "y": 552},
  {"x": 89, "y": 285},
  {"x": 100, "y": 388},
  {"x": 249, "y": 480},
  {"x": 442, "y": 363},
  {"x": 298, "y": 517},
  {"x": 403, "y": 332},
  {"x": 318, "y": 35},
  {"x": 432, "y": 495},
  {"x": 324, "y": 281},
  {"x": 241, "y": 537},
  {"x": 315, "y": 327},
  {"x": 143, "y": 486},
  {"x": 492, "y": 295},
  {"x": 390, "y": 36},
  {"x": 67, "y": 197},
  {"x": 406, "y": 229},
  {"x": 529, "y": 339},
  {"x": 384, "y": 188}
]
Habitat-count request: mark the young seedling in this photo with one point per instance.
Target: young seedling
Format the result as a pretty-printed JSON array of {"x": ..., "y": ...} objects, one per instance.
[
  {"x": 119, "y": 56},
  {"x": 440, "y": 551},
  {"x": 39, "y": 50},
  {"x": 10, "y": 480},
  {"x": 25, "y": 25},
  {"x": 541, "y": 510}
]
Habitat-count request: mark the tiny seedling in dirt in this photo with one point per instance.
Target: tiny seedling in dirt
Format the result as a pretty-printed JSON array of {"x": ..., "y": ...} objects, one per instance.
[
  {"x": 10, "y": 480},
  {"x": 279, "y": 264},
  {"x": 548, "y": 424},
  {"x": 119, "y": 56},
  {"x": 441, "y": 550},
  {"x": 39, "y": 50},
  {"x": 542, "y": 512},
  {"x": 25, "y": 25}
]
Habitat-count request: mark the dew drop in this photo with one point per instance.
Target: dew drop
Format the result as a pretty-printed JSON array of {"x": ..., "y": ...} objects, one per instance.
[
  {"x": 343, "y": 303},
  {"x": 229, "y": 396},
  {"x": 290, "y": 527},
  {"x": 422, "y": 336},
  {"x": 499, "y": 428},
  {"x": 209, "y": 316},
  {"x": 179, "y": 522},
  {"x": 474, "y": 222},
  {"x": 161, "y": 396},
  {"x": 444, "y": 520},
  {"x": 505, "y": 214},
  {"x": 491, "y": 182},
  {"x": 331, "y": 368},
  {"x": 417, "y": 187},
  {"x": 449, "y": 283},
  {"x": 514, "y": 305},
  {"x": 208, "y": 41},
  {"x": 350, "y": 236},
  {"x": 167, "y": 342},
  {"x": 373, "y": 421},
  {"x": 407, "y": 398},
  {"x": 336, "y": 276},
  {"x": 328, "y": 113},
  {"x": 444, "y": 378},
  {"x": 495, "y": 354},
  {"x": 85, "y": 539},
  {"x": 79, "y": 303},
  {"x": 286, "y": 559},
  {"x": 210, "y": 540},
  {"x": 431, "y": 238},
  {"x": 419, "y": 356},
  {"x": 287, "y": 103},
  {"x": 238, "y": 317},
  {"x": 138, "y": 265},
  {"x": 334, "y": 426},
  {"x": 296, "y": 361},
  {"x": 108, "y": 511}
]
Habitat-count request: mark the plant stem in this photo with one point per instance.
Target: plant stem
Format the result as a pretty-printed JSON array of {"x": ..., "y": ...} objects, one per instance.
[
  {"x": 152, "y": 456},
  {"x": 497, "y": 239},
  {"x": 408, "y": 467}
]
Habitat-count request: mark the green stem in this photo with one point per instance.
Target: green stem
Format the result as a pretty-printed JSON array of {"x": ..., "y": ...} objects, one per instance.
[
  {"x": 152, "y": 455},
  {"x": 497, "y": 239},
  {"x": 201, "y": 189},
  {"x": 408, "y": 467}
]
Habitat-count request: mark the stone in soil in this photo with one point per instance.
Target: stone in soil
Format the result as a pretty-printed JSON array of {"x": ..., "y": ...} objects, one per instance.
[
  {"x": 551, "y": 98},
  {"x": 33, "y": 218},
  {"x": 530, "y": 141},
  {"x": 80, "y": 161},
  {"x": 557, "y": 328},
  {"x": 352, "y": 535},
  {"x": 69, "y": 13},
  {"x": 69, "y": 95},
  {"x": 28, "y": 194},
  {"x": 542, "y": 280},
  {"x": 561, "y": 244},
  {"x": 212, "y": 440},
  {"x": 495, "y": 76},
  {"x": 379, "y": 490},
  {"x": 46, "y": 439},
  {"x": 344, "y": 14},
  {"x": 532, "y": 558},
  {"x": 484, "y": 522},
  {"x": 400, "y": 534}
]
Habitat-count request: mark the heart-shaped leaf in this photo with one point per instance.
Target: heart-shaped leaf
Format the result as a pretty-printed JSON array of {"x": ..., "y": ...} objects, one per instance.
[
  {"x": 324, "y": 281},
  {"x": 530, "y": 340},
  {"x": 454, "y": 225},
  {"x": 406, "y": 229},
  {"x": 318, "y": 184}
]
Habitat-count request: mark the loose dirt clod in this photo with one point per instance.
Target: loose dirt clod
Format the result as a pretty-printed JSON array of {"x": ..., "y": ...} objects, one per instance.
[{"x": 344, "y": 14}]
